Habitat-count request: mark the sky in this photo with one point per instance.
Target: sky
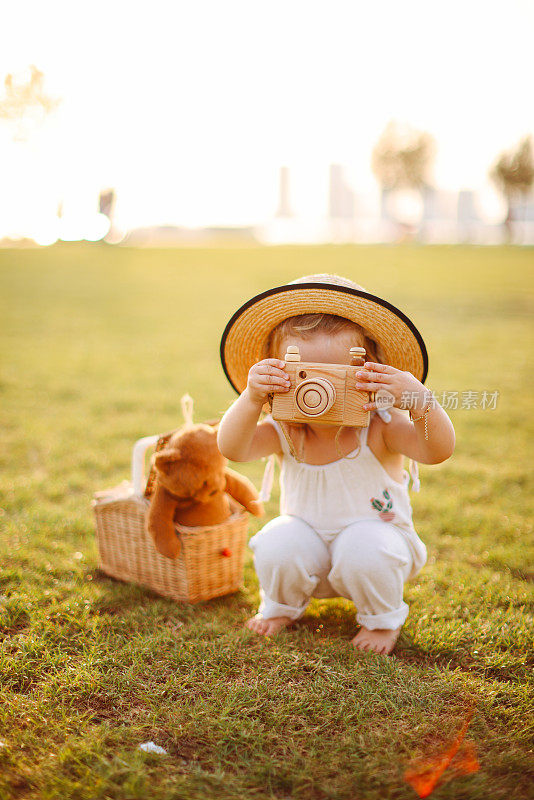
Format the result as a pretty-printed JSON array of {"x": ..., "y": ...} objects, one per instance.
[{"x": 189, "y": 109}]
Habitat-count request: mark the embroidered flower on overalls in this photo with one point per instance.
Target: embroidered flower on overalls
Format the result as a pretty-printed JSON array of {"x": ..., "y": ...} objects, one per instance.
[{"x": 384, "y": 508}]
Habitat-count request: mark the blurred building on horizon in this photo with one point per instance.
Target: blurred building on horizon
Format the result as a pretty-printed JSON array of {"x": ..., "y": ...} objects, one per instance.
[
  {"x": 284, "y": 201},
  {"x": 434, "y": 216},
  {"x": 430, "y": 216}
]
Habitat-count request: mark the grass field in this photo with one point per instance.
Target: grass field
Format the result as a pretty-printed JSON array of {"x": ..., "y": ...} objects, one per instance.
[{"x": 98, "y": 345}]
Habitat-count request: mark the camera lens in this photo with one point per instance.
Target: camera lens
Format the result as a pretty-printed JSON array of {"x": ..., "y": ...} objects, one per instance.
[{"x": 315, "y": 397}]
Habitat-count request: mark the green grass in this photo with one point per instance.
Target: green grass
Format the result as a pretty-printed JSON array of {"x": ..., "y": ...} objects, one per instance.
[{"x": 98, "y": 345}]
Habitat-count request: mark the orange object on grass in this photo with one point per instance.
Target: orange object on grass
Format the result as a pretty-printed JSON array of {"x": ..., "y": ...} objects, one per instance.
[{"x": 426, "y": 776}]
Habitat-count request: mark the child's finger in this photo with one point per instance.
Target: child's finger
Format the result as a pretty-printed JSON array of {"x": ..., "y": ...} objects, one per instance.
[
  {"x": 273, "y": 362},
  {"x": 370, "y": 375},
  {"x": 271, "y": 371},
  {"x": 376, "y": 367},
  {"x": 370, "y": 387},
  {"x": 269, "y": 381},
  {"x": 279, "y": 389}
]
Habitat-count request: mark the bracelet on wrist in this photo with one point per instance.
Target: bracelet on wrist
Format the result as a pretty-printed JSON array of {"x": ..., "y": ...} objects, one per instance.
[
  {"x": 428, "y": 405},
  {"x": 429, "y": 397}
]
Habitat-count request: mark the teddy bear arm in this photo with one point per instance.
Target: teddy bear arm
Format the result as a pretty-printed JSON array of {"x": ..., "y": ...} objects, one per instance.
[
  {"x": 244, "y": 491},
  {"x": 160, "y": 523}
]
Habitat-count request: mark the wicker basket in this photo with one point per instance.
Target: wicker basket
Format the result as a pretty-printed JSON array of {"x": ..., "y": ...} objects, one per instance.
[{"x": 211, "y": 558}]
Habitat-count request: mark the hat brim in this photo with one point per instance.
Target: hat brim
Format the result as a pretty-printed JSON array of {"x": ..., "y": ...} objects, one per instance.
[{"x": 244, "y": 338}]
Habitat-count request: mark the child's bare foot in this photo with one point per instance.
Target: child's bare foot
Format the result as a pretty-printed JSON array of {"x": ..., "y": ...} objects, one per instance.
[
  {"x": 380, "y": 640},
  {"x": 267, "y": 627}
]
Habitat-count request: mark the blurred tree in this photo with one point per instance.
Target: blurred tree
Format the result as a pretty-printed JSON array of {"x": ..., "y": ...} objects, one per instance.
[
  {"x": 106, "y": 203},
  {"x": 513, "y": 174},
  {"x": 403, "y": 158},
  {"x": 26, "y": 104},
  {"x": 106, "y": 206}
]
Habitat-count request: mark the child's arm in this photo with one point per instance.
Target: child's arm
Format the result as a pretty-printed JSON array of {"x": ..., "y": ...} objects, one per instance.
[
  {"x": 240, "y": 437},
  {"x": 400, "y": 435}
]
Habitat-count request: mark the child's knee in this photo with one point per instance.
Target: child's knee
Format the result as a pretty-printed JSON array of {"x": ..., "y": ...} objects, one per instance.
[
  {"x": 373, "y": 550},
  {"x": 286, "y": 540}
]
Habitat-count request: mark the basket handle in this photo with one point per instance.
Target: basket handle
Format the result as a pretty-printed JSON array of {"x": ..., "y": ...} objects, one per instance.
[{"x": 138, "y": 463}]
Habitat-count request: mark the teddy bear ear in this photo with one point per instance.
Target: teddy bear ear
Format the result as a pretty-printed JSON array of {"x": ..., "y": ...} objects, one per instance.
[{"x": 165, "y": 458}]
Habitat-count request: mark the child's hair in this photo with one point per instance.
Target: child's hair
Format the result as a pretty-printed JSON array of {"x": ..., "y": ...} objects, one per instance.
[{"x": 304, "y": 326}]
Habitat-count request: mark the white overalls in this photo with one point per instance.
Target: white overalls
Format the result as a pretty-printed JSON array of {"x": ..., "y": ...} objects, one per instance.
[{"x": 345, "y": 530}]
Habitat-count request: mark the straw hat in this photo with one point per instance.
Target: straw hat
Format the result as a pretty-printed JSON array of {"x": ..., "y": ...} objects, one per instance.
[{"x": 244, "y": 338}]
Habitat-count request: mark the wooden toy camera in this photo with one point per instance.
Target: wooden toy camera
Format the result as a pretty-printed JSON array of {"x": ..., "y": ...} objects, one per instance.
[{"x": 322, "y": 393}]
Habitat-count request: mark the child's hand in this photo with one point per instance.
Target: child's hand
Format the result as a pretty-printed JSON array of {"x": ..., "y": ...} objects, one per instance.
[
  {"x": 265, "y": 377},
  {"x": 403, "y": 386}
]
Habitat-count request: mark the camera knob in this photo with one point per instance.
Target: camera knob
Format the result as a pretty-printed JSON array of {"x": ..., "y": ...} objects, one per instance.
[
  {"x": 357, "y": 355},
  {"x": 315, "y": 397},
  {"x": 292, "y": 353}
]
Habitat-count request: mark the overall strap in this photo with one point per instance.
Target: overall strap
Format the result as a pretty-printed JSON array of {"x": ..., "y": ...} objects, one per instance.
[
  {"x": 268, "y": 480},
  {"x": 413, "y": 469},
  {"x": 364, "y": 432}
]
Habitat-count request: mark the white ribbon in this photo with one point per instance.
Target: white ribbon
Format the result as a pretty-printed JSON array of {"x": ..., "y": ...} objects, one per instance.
[
  {"x": 187, "y": 408},
  {"x": 268, "y": 480},
  {"x": 384, "y": 413},
  {"x": 414, "y": 472}
]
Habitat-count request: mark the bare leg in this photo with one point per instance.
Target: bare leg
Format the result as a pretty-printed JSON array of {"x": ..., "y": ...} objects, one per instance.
[
  {"x": 379, "y": 640},
  {"x": 267, "y": 627}
]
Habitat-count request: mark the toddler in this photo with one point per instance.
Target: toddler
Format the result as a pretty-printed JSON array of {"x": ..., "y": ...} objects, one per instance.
[{"x": 345, "y": 526}]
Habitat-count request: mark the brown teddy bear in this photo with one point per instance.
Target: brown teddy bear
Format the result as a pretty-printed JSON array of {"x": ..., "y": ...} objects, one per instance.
[{"x": 192, "y": 486}]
